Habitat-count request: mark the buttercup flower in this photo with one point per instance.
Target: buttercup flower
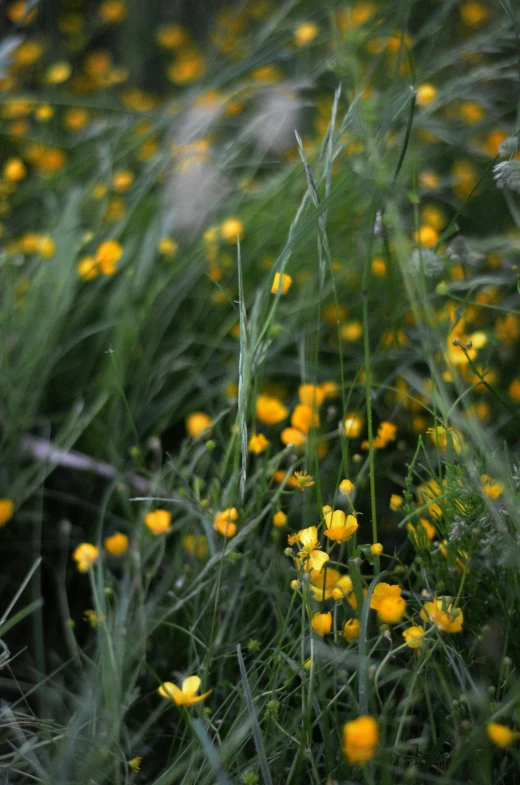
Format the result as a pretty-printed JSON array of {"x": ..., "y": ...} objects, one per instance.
[
  {"x": 304, "y": 418},
  {"x": 116, "y": 544},
  {"x": 6, "y": 511},
  {"x": 158, "y": 521},
  {"x": 196, "y": 423},
  {"x": 270, "y": 410},
  {"x": 279, "y": 519},
  {"x": 285, "y": 284},
  {"x": 85, "y": 555},
  {"x": 224, "y": 522},
  {"x": 258, "y": 443},
  {"x": 301, "y": 480},
  {"x": 360, "y": 739},
  {"x": 442, "y": 613},
  {"x": 352, "y": 425},
  {"x": 388, "y": 603},
  {"x": 346, "y": 487},
  {"x": 501, "y": 735},
  {"x": 414, "y": 636},
  {"x": 293, "y": 437},
  {"x": 376, "y": 549},
  {"x": 310, "y": 555},
  {"x": 351, "y": 630},
  {"x": 305, "y": 33},
  {"x": 396, "y": 502},
  {"x": 491, "y": 488},
  {"x": 311, "y": 395},
  {"x": 186, "y": 695},
  {"x": 340, "y": 527},
  {"x": 230, "y": 229},
  {"x": 329, "y": 583},
  {"x": 322, "y": 623}
]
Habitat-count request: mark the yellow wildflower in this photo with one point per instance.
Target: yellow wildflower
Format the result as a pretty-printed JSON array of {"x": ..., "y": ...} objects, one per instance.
[
  {"x": 282, "y": 282},
  {"x": 85, "y": 555},
  {"x": 304, "y": 418},
  {"x": 301, "y": 480},
  {"x": 270, "y": 410},
  {"x": 186, "y": 695},
  {"x": 425, "y": 94},
  {"x": 491, "y": 488},
  {"x": 158, "y": 521},
  {"x": 293, "y": 437},
  {"x": 258, "y": 443},
  {"x": 322, "y": 623},
  {"x": 230, "y": 229},
  {"x": 310, "y": 554},
  {"x": 346, "y": 487},
  {"x": 224, "y": 522},
  {"x": 351, "y": 630},
  {"x": 329, "y": 583},
  {"x": 197, "y": 423},
  {"x": 305, "y": 33},
  {"x": 360, "y": 739},
  {"x": 501, "y": 735},
  {"x": 340, "y": 527},
  {"x": 376, "y": 549},
  {"x": 396, "y": 502},
  {"x": 413, "y": 636},
  {"x": 6, "y": 511},
  {"x": 116, "y": 544},
  {"x": 279, "y": 519},
  {"x": 442, "y": 613}
]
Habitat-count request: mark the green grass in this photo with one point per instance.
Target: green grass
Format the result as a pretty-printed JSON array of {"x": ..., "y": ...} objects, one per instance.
[{"x": 98, "y": 379}]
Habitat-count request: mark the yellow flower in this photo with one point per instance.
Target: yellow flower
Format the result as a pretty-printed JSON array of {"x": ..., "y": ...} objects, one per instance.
[
  {"x": 188, "y": 67},
  {"x": 112, "y": 11},
  {"x": 47, "y": 246},
  {"x": 352, "y": 425},
  {"x": 223, "y": 522},
  {"x": 329, "y": 583},
  {"x": 270, "y": 410},
  {"x": 279, "y": 519},
  {"x": 491, "y": 488},
  {"x": 427, "y": 236},
  {"x": 360, "y": 739},
  {"x": 186, "y": 695},
  {"x": 196, "y": 545},
  {"x": 329, "y": 389},
  {"x": 413, "y": 637},
  {"x": 87, "y": 268},
  {"x": 116, "y": 544},
  {"x": 6, "y": 511},
  {"x": 197, "y": 423},
  {"x": 258, "y": 443},
  {"x": 473, "y": 14},
  {"x": 304, "y": 418},
  {"x": 230, "y": 229},
  {"x": 57, "y": 73},
  {"x": 305, "y": 33},
  {"x": 122, "y": 180},
  {"x": 322, "y": 623},
  {"x": 282, "y": 282},
  {"x": 310, "y": 554},
  {"x": 346, "y": 487},
  {"x": 85, "y": 555},
  {"x": 301, "y": 480},
  {"x": 158, "y": 521},
  {"x": 425, "y": 94},
  {"x": 376, "y": 549},
  {"x": 14, "y": 170},
  {"x": 75, "y": 119},
  {"x": 442, "y": 613},
  {"x": 171, "y": 36},
  {"x": 422, "y": 534},
  {"x": 311, "y": 395},
  {"x": 107, "y": 256},
  {"x": 396, "y": 502},
  {"x": 388, "y": 603},
  {"x": 167, "y": 247},
  {"x": 340, "y": 527},
  {"x": 352, "y": 331},
  {"x": 293, "y": 436},
  {"x": 391, "y": 610},
  {"x": 93, "y": 618},
  {"x": 135, "y": 763},
  {"x": 501, "y": 735},
  {"x": 351, "y": 630}
]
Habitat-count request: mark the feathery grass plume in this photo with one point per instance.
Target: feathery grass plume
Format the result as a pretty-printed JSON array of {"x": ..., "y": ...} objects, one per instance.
[
  {"x": 277, "y": 115},
  {"x": 507, "y": 175}
]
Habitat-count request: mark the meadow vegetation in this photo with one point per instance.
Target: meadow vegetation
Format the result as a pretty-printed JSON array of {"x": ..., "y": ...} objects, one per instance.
[{"x": 260, "y": 392}]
